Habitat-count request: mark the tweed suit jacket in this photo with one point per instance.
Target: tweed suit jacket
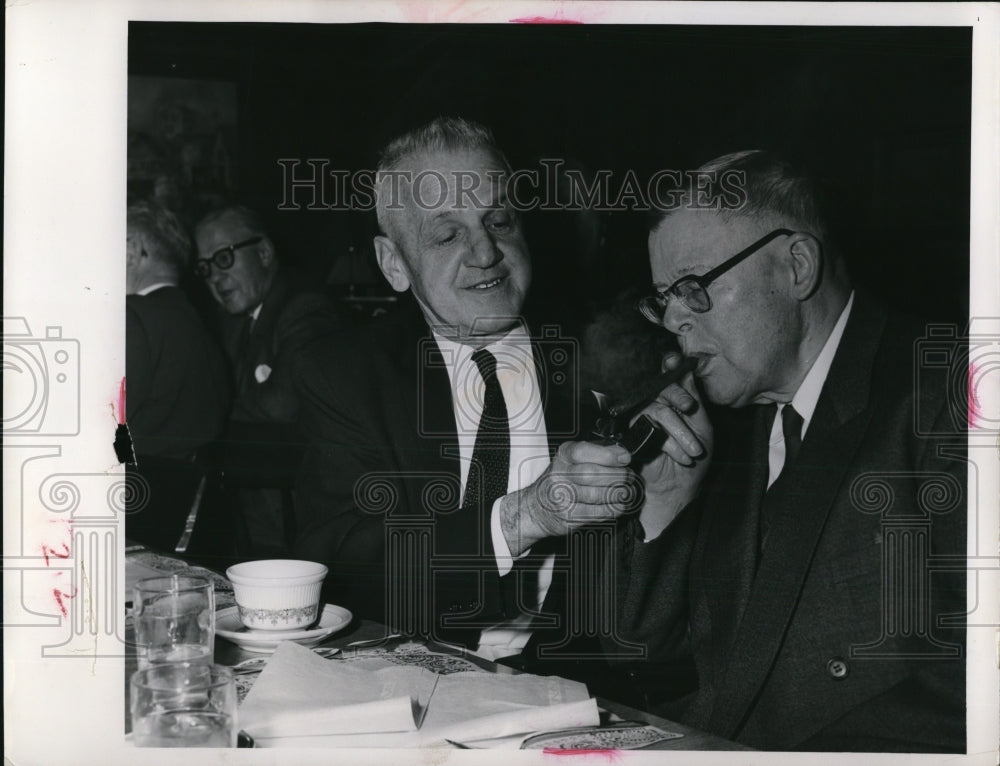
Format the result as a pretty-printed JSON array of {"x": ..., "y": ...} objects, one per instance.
[{"x": 845, "y": 632}]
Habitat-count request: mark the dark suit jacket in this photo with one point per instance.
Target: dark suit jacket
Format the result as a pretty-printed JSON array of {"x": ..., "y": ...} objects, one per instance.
[
  {"x": 177, "y": 389},
  {"x": 291, "y": 317},
  {"x": 383, "y": 463},
  {"x": 841, "y": 640}
]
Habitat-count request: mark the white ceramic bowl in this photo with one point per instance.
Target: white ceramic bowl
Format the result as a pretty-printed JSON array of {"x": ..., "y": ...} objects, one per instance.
[{"x": 277, "y": 594}]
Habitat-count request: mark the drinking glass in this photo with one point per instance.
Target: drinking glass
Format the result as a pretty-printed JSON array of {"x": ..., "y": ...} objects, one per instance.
[
  {"x": 183, "y": 705},
  {"x": 174, "y": 620}
]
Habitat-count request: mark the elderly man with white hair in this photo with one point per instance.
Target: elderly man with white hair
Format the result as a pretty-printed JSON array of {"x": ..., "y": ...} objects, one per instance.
[{"x": 444, "y": 469}]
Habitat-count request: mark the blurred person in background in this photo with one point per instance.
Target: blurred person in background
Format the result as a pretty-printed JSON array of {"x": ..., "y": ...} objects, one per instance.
[
  {"x": 177, "y": 388},
  {"x": 268, "y": 315}
]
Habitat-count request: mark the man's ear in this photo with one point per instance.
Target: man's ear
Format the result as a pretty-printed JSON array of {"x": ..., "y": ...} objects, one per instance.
[
  {"x": 390, "y": 261},
  {"x": 265, "y": 251},
  {"x": 807, "y": 265},
  {"x": 133, "y": 251}
]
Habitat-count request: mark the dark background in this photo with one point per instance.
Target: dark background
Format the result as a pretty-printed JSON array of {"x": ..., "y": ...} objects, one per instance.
[{"x": 883, "y": 114}]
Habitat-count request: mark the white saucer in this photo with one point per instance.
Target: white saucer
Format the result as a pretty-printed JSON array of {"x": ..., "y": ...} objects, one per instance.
[{"x": 228, "y": 625}]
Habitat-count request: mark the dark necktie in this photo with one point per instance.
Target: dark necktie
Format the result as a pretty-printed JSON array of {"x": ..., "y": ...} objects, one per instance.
[
  {"x": 241, "y": 352},
  {"x": 791, "y": 428},
  {"x": 488, "y": 472},
  {"x": 491, "y": 455}
]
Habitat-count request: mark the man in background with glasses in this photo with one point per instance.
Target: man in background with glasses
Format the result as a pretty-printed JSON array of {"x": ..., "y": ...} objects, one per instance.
[
  {"x": 275, "y": 314},
  {"x": 805, "y": 603},
  {"x": 270, "y": 315}
]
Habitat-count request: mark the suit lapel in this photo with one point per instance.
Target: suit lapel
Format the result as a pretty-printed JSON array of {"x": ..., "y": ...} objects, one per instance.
[
  {"x": 248, "y": 342},
  {"x": 731, "y": 560},
  {"x": 422, "y": 394},
  {"x": 262, "y": 330},
  {"x": 834, "y": 435},
  {"x": 424, "y": 391}
]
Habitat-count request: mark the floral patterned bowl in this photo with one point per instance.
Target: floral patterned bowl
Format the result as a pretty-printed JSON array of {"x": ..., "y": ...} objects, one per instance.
[{"x": 277, "y": 594}]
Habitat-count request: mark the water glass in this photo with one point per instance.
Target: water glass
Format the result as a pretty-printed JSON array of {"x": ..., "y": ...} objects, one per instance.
[
  {"x": 174, "y": 619},
  {"x": 183, "y": 705}
]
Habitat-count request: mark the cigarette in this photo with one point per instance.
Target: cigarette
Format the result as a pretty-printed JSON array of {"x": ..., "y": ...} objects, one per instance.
[{"x": 653, "y": 387}]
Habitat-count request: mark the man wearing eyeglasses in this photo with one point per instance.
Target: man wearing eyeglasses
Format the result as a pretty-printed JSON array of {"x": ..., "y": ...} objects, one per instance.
[
  {"x": 270, "y": 315},
  {"x": 275, "y": 315},
  {"x": 787, "y": 539}
]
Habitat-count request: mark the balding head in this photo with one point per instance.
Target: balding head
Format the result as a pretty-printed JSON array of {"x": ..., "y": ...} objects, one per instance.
[
  {"x": 442, "y": 135},
  {"x": 451, "y": 235},
  {"x": 158, "y": 248}
]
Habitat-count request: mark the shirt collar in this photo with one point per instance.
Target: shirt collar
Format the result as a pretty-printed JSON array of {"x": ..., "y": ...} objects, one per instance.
[
  {"x": 154, "y": 287},
  {"x": 807, "y": 396},
  {"x": 256, "y": 312},
  {"x": 515, "y": 374},
  {"x": 457, "y": 354}
]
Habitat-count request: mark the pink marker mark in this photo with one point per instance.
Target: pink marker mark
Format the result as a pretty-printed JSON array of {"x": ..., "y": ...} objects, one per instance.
[
  {"x": 121, "y": 402},
  {"x": 609, "y": 755},
  {"x": 543, "y": 20},
  {"x": 58, "y": 548},
  {"x": 63, "y": 554},
  {"x": 59, "y": 596},
  {"x": 973, "y": 408}
]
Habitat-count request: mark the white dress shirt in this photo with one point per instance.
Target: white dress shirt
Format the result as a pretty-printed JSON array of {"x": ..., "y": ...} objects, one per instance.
[
  {"x": 154, "y": 287},
  {"x": 807, "y": 396},
  {"x": 529, "y": 450}
]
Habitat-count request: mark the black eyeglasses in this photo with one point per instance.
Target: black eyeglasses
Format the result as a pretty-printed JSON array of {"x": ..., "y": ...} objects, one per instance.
[
  {"x": 690, "y": 290},
  {"x": 222, "y": 259}
]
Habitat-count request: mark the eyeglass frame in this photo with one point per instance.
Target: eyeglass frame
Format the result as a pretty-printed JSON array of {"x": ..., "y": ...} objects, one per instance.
[
  {"x": 662, "y": 297},
  {"x": 203, "y": 266}
]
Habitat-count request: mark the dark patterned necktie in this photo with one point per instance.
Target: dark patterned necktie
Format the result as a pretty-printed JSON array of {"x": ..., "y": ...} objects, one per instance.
[
  {"x": 791, "y": 428},
  {"x": 488, "y": 474},
  {"x": 490, "y": 466}
]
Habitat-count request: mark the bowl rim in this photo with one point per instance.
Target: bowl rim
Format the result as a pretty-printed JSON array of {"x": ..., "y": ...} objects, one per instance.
[{"x": 276, "y": 581}]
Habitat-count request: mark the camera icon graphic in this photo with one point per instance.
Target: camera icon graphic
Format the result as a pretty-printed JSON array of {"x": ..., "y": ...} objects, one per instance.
[
  {"x": 41, "y": 381},
  {"x": 554, "y": 359},
  {"x": 967, "y": 366}
]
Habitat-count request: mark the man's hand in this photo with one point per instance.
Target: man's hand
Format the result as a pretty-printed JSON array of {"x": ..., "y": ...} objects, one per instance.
[
  {"x": 673, "y": 478},
  {"x": 585, "y": 483}
]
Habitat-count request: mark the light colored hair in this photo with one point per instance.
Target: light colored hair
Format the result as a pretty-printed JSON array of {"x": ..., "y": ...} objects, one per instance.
[
  {"x": 440, "y": 134},
  {"x": 773, "y": 189},
  {"x": 162, "y": 235}
]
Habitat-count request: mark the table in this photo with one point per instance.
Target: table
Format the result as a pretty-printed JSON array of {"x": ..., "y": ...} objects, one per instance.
[{"x": 227, "y": 653}]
